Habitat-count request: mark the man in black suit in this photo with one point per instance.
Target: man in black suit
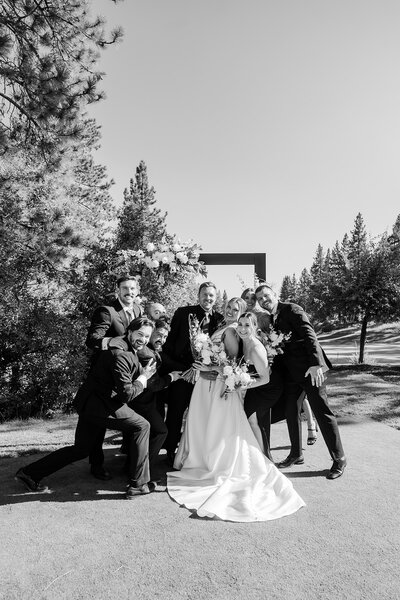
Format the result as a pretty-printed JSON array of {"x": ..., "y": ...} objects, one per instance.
[
  {"x": 102, "y": 402},
  {"x": 146, "y": 404},
  {"x": 108, "y": 322},
  {"x": 302, "y": 366},
  {"x": 112, "y": 320},
  {"x": 177, "y": 348}
]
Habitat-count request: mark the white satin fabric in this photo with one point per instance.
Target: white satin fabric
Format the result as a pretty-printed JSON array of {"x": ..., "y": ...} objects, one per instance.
[{"x": 222, "y": 471}]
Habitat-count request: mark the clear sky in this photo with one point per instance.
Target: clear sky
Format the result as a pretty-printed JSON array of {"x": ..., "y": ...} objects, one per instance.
[{"x": 266, "y": 126}]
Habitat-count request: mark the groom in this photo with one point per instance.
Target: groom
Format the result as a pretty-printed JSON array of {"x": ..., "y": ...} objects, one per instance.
[
  {"x": 302, "y": 366},
  {"x": 177, "y": 347}
]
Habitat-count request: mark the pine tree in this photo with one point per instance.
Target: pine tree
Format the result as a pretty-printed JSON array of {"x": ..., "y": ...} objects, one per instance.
[
  {"x": 140, "y": 222},
  {"x": 317, "y": 307},
  {"x": 289, "y": 289},
  {"x": 304, "y": 290},
  {"x": 48, "y": 65},
  {"x": 225, "y": 300}
]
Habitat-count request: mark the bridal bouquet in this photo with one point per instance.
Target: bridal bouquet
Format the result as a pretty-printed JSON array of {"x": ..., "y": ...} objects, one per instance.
[
  {"x": 203, "y": 349},
  {"x": 273, "y": 341},
  {"x": 236, "y": 375}
]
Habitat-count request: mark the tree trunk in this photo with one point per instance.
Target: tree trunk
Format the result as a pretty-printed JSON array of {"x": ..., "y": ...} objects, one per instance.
[{"x": 363, "y": 336}]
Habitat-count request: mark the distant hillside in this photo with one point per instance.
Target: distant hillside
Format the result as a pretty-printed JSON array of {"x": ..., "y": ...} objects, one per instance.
[{"x": 380, "y": 333}]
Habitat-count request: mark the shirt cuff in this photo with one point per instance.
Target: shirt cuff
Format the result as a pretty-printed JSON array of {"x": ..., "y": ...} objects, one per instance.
[
  {"x": 143, "y": 380},
  {"x": 104, "y": 343}
]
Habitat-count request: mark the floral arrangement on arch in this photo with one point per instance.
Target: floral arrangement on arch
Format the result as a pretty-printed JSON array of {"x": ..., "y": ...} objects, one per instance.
[{"x": 170, "y": 255}]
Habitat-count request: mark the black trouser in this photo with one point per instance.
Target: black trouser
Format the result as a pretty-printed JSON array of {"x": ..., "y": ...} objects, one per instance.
[
  {"x": 179, "y": 396},
  {"x": 88, "y": 431},
  {"x": 324, "y": 416},
  {"x": 158, "y": 430}
]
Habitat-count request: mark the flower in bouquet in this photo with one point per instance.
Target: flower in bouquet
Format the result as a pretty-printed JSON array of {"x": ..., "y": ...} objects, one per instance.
[
  {"x": 236, "y": 375},
  {"x": 274, "y": 342},
  {"x": 200, "y": 345}
]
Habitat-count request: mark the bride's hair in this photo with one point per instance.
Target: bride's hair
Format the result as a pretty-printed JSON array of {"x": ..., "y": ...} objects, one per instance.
[{"x": 241, "y": 304}]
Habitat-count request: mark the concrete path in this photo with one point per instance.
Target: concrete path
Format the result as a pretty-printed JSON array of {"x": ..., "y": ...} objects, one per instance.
[{"x": 83, "y": 540}]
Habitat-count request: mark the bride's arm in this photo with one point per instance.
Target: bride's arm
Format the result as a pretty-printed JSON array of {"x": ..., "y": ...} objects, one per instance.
[
  {"x": 231, "y": 342},
  {"x": 259, "y": 359}
]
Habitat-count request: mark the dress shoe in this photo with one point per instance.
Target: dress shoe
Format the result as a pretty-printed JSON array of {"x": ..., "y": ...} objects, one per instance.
[
  {"x": 291, "y": 460},
  {"x": 100, "y": 473},
  {"x": 170, "y": 457},
  {"x": 337, "y": 469},
  {"x": 29, "y": 483},
  {"x": 146, "y": 488}
]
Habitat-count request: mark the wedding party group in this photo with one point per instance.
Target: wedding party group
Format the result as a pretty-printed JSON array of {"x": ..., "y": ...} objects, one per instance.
[{"x": 205, "y": 387}]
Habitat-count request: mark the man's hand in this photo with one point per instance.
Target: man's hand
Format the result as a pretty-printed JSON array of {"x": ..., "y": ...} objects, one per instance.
[
  {"x": 149, "y": 370},
  {"x": 317, "y": 375},
  {"x": 175, "y": 375}
]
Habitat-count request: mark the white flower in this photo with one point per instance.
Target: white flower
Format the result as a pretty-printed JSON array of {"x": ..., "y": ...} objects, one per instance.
[
  {"x": 165, "y": 259},
  {"x": 202, "y": 337},
  {"x": 244, "y": 379},
  {"x": 176, "y": 247},
  {"x": 148, "y": 262},
  {"x": 140, "y": 253},
  {"x": 155, "y": 264},
  {"x": 273, "y": 336},
  {"x": 206, "y": 356},
  {"x": 150, "y": 247},
  {"x": 182, "y": 257},
  {"x": 230, "y": 383},
  {"x": 228, "y": 371}
]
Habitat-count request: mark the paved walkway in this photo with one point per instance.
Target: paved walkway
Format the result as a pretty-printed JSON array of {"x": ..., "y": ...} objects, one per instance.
[{"x": 84, "y": 541}]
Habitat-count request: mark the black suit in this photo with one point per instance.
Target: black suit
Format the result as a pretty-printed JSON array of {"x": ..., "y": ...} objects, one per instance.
[
  {"x": 107, "y": 321},
  {"x": 102, "y": 402},
  {"x": 301, "y": 352},
  {"x": 177, "y": 348}
]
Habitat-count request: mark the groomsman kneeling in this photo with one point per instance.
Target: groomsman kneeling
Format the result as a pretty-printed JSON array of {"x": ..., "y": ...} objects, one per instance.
[{"x": 102, "y": 402}]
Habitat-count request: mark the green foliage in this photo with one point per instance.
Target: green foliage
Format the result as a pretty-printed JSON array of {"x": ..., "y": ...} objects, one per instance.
[
  {"x": 48, "y": 58},
  {"x": 357, "y": 281},
  {"x": 54, "y": 198}
]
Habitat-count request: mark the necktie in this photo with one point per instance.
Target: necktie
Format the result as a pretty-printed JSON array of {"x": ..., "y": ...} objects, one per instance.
[
  {"x": 129, "y": 316},
  {"x": 205, "y": 323}
]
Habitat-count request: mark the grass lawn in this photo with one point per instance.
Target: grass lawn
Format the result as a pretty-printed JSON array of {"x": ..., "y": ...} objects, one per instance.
[{"x": 364, "y": 391}]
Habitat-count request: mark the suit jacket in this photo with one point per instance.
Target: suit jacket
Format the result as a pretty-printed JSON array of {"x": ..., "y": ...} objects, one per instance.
[
  {"x": 303, "y": 349},
  {"x": 111, "y": 385},
  {"x": 177, "y": 344},
  {"x": 108, "y": 321}
]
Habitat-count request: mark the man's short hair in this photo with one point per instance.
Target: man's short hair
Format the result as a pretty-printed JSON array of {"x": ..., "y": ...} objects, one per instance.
[
  {"x": 126, "y": 278},
  {"x": 161, "y": 324},
  {"x": 140, "y": 322},
  {"x": 206, "y": 284},
  {"x": 262, "y": 286}
]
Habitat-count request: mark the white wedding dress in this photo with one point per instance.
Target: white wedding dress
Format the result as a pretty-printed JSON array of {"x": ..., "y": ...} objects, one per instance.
[{"x": 222, "y": 471}]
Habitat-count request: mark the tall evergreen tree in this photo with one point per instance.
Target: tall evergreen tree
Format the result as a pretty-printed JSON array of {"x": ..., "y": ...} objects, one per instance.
[
  {"x": 303, "y": 290},
  {"x": 140, "y": 221},
  {"x": 48, "y": 65}
]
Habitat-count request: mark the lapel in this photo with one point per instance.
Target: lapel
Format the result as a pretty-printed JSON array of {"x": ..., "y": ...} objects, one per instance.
[
  {"x": 278, "y": 314},
  {"x": 121, "y": 315}
]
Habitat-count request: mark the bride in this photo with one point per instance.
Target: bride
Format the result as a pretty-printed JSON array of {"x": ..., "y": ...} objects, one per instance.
[{"x": 222, "y": 471}]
